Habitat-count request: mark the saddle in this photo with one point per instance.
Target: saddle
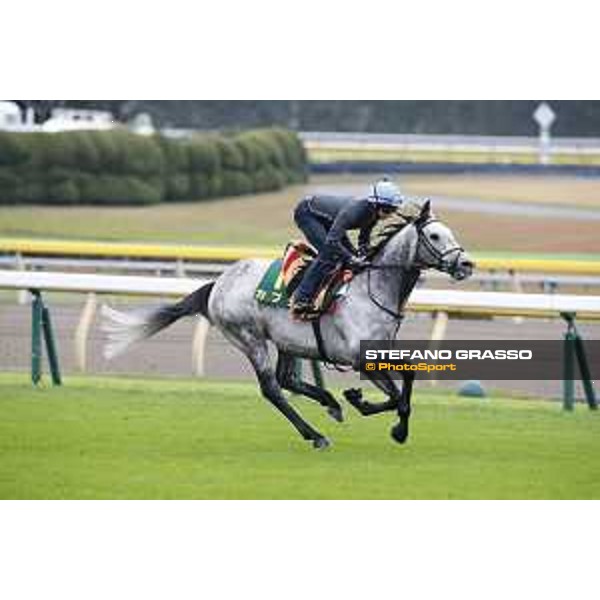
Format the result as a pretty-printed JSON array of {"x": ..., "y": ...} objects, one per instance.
[{"x": 285, "y": 274}]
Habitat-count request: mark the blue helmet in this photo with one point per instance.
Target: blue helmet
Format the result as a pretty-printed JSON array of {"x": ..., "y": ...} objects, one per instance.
[{"x": 386, "y": 193}]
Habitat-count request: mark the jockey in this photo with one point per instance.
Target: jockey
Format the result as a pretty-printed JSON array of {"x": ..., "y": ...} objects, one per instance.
[{"x": 325, "y": 221}]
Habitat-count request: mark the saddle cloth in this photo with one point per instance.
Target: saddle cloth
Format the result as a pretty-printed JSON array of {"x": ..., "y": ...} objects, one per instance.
[{"x": 285, "y": 274}]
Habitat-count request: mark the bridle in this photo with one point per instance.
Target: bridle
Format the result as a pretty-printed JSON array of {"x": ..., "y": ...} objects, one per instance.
[
  {"x": 412, "y": 274},
  {"x": 442, "y": 263}
]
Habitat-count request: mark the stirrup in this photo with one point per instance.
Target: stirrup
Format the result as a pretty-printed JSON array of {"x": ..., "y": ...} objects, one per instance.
[
  {"x": 304, "y": 311},
  {"x": 306, "y": 317}
]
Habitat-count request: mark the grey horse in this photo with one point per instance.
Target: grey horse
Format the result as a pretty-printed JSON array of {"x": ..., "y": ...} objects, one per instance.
[{"x": 370, "y": 310}]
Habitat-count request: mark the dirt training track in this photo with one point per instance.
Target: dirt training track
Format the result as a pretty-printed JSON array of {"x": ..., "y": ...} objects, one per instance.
[
  {"x": 169, "y": 354},
  {"x": 489, "y": 213}
]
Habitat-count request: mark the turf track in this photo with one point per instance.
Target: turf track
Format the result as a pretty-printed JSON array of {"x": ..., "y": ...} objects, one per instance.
[{"x": 124, "y": 438}]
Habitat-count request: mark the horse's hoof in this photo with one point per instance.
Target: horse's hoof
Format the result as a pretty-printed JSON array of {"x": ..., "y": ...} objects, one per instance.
[
  {"x": 353, "y": 394},
  {"x": 321, "y": 443},
  {"x": 400, "y": 433},
  {"x": 336, "y": 413}
]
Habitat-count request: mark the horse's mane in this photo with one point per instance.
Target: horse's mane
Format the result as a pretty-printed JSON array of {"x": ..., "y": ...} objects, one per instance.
[
  {"x": 389, "y": 229},
  {"x": 398, "y": 221}
]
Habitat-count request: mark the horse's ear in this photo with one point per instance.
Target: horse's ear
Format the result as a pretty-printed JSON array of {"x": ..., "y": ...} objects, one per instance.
[{"x": 425, "y": 212}]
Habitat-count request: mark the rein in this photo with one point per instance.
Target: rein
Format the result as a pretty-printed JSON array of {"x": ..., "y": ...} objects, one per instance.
[
  {"x": 409, "y": 281},
  {"x": 411, "y": 275}
]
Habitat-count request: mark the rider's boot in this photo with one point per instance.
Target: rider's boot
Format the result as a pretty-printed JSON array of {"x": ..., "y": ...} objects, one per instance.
[{"x": 316, "y": 274}]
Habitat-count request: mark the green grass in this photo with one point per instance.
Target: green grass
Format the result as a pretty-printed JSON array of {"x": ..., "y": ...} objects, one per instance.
[
  {"x": 125, "y": 438},
  {"x": 203, "y": 223}
]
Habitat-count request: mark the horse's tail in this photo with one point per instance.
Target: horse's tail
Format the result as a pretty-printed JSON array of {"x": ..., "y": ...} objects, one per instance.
[{"x": 125, "y": 328}]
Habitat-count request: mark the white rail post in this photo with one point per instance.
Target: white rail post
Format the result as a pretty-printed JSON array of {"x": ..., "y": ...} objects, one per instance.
[
  {"x": 517, "y": 287},
  {"x": 179, "y": 268},
  {"x": 438, "y": 333},
  {"x": 20, "y": 265},
  {"x": 199, "y": 346},
  {"x": 83, "y": 330}
]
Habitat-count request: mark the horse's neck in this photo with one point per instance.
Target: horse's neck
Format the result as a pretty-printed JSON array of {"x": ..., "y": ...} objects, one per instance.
[
  {"x": 396, "y": 277},
  {"x": 399, "y": 250}
]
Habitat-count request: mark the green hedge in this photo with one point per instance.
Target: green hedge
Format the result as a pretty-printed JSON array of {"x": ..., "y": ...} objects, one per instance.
[{"x": 118, "y": 167}]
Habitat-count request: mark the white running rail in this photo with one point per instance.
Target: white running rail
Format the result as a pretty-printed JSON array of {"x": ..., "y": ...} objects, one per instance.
[{"x": 439, "y": 302}]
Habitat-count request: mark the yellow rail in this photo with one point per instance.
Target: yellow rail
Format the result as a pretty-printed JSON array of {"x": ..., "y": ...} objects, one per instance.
[
  {"x": 232, "y": 253},
  {"x": 127, "y": 250},
  {"x": 539, "y": 265}
]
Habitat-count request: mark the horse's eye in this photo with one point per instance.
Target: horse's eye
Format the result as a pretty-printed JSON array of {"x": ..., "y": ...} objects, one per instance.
[{"x": 434, "y": 237}]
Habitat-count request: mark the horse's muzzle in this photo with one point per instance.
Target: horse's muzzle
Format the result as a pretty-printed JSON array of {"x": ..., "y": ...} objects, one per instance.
[{"x": 463, "y": 268}]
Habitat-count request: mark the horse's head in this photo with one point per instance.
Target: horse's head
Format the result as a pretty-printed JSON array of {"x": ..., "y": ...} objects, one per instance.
[{"x": 437, "y": 248}]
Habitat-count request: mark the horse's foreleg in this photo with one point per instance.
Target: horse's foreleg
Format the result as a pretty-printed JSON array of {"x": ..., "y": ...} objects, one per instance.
[
  {"x": 398, "y": 400},
  {"x": 366, "y": 408},
  {"x": 288, "y": 380},
  {"x": 400, "y": 431}
]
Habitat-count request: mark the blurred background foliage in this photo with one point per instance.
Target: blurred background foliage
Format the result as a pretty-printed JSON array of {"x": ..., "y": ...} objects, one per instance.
[{"x": 118, "y": 167}]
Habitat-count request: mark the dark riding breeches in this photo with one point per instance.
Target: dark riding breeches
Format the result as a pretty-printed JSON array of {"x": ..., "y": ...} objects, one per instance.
[{"x": 315, "y": 229}]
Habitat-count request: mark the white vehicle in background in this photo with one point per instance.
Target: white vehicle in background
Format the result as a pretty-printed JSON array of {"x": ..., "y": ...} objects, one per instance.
[
  {"x": 77, "y": 119},
  {"x": 11, "y": 117}
]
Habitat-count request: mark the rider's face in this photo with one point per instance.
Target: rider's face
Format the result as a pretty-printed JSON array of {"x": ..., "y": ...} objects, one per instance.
[{"x": 385, "y": 211}]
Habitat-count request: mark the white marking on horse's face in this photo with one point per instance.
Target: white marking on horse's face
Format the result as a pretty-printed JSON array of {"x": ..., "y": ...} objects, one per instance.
[
  {"x": 456, "y": 261},
  {"x": 440, "y": 236}
]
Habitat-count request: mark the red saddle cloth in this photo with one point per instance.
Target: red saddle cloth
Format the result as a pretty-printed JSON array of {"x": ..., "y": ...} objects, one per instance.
[{"x": 296, "y": 259}]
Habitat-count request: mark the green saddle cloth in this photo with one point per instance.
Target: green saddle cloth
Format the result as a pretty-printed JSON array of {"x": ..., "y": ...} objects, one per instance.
[{"x": 271, "y": 291}]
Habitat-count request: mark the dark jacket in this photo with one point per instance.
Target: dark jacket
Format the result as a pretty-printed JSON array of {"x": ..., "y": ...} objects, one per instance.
[{"x": 342, "y": 214}]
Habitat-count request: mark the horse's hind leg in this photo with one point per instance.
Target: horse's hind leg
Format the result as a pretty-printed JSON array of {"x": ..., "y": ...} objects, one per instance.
[
  {"x": 288, "y": 380},
  {"x": 256, "y": 350},
  {"x": 271, "y": 390}
]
